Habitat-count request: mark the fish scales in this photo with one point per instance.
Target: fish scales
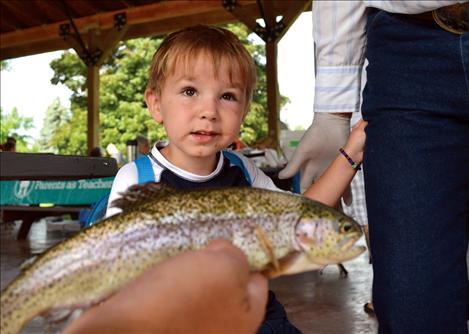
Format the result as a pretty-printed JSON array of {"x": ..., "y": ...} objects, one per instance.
[{"x": 95, "y": 263}]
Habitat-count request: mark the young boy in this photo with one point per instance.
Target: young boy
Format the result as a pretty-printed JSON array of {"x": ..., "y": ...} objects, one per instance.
[{"x": 200, "y": 87}]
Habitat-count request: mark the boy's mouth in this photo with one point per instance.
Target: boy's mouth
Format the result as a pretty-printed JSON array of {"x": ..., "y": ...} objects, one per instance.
[
  {"x": 204, "y": 133},
  {"x": 203, "y": 136}
]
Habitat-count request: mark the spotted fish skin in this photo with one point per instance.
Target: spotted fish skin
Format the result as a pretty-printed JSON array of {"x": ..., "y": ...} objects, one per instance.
[{"x": 96, "y": 262}]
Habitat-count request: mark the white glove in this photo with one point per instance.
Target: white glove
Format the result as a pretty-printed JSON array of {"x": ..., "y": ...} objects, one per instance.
[{"x": 318, "y": 148}]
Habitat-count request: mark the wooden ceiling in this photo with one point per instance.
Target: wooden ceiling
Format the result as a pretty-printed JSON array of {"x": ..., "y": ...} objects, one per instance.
[{"x": 29, "y": 27}]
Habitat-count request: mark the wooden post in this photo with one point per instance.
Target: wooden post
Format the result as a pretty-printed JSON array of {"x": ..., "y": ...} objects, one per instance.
[
  {"x": 98, "y": 47},
  {"x": 272, "y": 95},
  {"x": 92, "y": 81}
]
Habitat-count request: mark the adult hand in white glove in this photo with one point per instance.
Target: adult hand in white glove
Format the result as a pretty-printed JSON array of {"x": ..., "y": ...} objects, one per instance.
[{"x": 318, "y": 147}]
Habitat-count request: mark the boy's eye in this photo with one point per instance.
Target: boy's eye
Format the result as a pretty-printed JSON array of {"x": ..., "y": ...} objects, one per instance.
[
  {"x": 229, "y": 97},
  {"x": 188, "y": 91}
]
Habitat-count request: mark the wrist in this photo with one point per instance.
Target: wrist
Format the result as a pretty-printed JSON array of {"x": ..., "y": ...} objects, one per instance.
[
  {"x": 353, "y": 160},
  {"x": 339, "y": 116},
  {"x": 344, "y": 115}
]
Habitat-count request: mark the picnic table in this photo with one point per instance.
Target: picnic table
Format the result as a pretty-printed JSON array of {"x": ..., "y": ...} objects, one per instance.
[{"x": 37, "y": 185}]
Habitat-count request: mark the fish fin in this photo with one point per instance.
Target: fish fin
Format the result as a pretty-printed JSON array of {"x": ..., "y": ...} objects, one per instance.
[
  {"x": 61, "y": 315},
  {"x": 139, "y": 193},
  {"x": 28, "y": 263},
  {"x": 267, "y": 246},
  {"x": 294, "y": 263}
]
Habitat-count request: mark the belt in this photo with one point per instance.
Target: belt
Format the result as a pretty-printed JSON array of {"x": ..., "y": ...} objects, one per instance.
[{"x": 454, "y": 18}]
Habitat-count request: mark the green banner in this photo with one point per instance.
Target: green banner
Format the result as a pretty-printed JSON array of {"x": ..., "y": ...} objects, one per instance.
[{"x": 74, "y": 192}]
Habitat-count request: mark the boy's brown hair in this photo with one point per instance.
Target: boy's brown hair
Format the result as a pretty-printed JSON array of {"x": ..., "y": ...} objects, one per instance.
[{"x": 186, "y": 44}]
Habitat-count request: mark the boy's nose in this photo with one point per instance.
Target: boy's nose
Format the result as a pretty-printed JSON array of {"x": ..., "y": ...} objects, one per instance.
[{"x": 209, "y": 110}]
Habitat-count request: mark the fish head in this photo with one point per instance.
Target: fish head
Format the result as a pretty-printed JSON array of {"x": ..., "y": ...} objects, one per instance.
[{"x": 327, "y": 236}]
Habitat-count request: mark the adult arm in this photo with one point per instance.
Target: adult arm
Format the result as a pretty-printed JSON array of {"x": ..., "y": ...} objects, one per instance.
[{"x": 339, "y": 37}]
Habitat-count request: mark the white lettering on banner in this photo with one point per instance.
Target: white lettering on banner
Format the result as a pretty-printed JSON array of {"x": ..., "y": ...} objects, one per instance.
[
  {"x": 94, "y": 184},
  {"x": 49, "y": 185},
  {"x": 71, "y": 185}
]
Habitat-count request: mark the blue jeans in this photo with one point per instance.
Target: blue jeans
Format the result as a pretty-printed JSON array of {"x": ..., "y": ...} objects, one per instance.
[{"x": 416, "y": 164}]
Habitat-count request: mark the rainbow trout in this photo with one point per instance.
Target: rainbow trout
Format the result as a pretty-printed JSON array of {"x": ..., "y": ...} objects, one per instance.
[{"x": 280, "y": 233}]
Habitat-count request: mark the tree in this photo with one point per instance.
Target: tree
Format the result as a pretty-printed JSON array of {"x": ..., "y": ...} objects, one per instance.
[
  {"x": 4, "y": 65},
  {"x": 15, "y": 125},
  {"x": 56, "y": 116},
  {"x": 123, "y": 113}
]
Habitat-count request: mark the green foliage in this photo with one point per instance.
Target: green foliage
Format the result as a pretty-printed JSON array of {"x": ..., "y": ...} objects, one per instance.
[
  {"x": 15, "y": 125},
  {"x": 123, "y": 113},
  {"x": 70, "y": 71},
  {"x": 56, "y": 116},
  {"x": 4, "y": 65},
  {"x": 70, "y": 137}
]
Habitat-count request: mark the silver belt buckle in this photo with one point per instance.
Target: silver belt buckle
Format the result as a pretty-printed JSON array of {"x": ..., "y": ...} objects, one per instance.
[{"x": 454, "y": 18}]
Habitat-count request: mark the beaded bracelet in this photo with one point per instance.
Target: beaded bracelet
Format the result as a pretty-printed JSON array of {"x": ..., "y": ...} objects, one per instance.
[{"x": 350, "y": 160}]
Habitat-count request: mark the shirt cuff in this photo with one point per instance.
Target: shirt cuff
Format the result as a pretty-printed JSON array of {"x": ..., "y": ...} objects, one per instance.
[{"x": 337, "y": 89}]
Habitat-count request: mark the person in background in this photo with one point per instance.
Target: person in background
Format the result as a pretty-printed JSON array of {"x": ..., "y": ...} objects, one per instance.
[
  {"x": 9, "y": 145},
  {"x": 224, "y": 297},
  {"x": 97, "y": 152},
  {"x": 143, "y": 146},
  {"x": 200, "y": 88},
  {"x": 416, "y": 102}
]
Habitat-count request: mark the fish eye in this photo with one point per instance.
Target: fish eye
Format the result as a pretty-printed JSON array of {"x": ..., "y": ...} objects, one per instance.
[{"x": 345, "y": 227}]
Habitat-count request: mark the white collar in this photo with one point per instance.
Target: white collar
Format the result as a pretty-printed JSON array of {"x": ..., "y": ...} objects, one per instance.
[{"x": 161, "y": 160}]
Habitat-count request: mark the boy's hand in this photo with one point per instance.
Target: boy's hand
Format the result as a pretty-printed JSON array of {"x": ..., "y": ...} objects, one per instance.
[
  {"x": 206, "y": 291},
  {"x": 356, "y": 142}
]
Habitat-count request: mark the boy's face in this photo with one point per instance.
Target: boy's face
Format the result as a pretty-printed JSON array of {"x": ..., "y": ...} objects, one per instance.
[{"x": 201, "y": 112}]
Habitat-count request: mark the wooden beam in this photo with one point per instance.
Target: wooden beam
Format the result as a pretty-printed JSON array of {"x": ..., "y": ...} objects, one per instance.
[
  {"x": 291, "y": 14},
  {"x": 104, "y": 43},
  {"x": 21, "y": 15},
  {"x": 269, "y": 12},
  {"x": 92, "y": 83},
  {"x": 72, "y": 41},
  {"x": 135, "y": 15},
  {"x": 170, "y": 25},
  {"x": 110, "y": 39}
]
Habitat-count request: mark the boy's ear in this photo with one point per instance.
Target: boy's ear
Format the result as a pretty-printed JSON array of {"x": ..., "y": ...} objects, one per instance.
[{"x": 153, "y": 105}]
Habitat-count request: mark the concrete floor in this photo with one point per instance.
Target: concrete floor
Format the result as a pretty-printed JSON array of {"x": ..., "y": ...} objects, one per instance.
[{"x": 315, "y": 302}]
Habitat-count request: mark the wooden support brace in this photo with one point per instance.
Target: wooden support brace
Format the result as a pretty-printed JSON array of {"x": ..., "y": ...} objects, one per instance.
[{"x": 94, "y": 53}]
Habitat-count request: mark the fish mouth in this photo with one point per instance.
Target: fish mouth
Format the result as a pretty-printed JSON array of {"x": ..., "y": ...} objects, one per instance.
[
  {"x": 348, "y": 250},
  {"x": 345, "y": 251},
  {"x": 347, "y": 243}
]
